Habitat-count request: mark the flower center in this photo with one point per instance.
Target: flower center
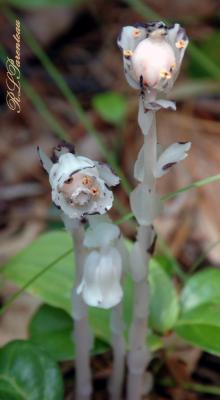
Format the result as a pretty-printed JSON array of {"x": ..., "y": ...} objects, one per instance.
[
  {"x": 153, "y": 59},
  {"x": 79, "y": 189}
]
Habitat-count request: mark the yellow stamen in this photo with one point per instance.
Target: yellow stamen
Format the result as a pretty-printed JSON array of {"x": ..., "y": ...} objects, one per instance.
[
  {"x": 165, "y": 74},
  {"x": 127, "y": 53},
  {"x": 181, "y": 44},
  {"x": 136, "y": 32},
  {"x": 86, "y": 180}
]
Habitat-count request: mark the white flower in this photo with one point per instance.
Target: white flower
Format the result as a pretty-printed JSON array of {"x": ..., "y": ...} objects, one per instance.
[
  {"x": 167, "y": 158},
  {"x": 152, "y": 54},
  {"x": 100, "y": 286},
  {"x": 80, "y": 186}
]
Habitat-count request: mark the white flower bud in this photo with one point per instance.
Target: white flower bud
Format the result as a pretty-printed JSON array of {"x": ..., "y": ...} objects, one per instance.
[{"x": 100, "y": 286}]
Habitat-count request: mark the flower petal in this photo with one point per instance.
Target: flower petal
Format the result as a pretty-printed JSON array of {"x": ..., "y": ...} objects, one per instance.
[
  {"x": 130, "y": 36},
  {"x": 176, "y": 35},
  {"x": 106, "y": 173},
  {"x": 101, "y": 235},
  {"x": 67, "y": 165},
  {"x": 160, "y": 103},
  {"x": 101, "y": 280},
  {"x": 46, "y": 161},
  {"x": 128, "y": 39},
  {"x": 145, "y": 204},
  {"x": 172, "y": 155}
]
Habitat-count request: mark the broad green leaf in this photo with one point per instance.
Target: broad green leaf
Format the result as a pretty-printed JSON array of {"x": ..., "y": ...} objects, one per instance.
[
  {"x": 164, "y": 305},
  {"x": 28, "y": 373},
  {"x": 54, "y": 286},
  {"x": 111, "y": 106},
  {"x": 201, "y": 327},
  {"x": 202, "y": 287},
  {"x": 52, "y": 328}
]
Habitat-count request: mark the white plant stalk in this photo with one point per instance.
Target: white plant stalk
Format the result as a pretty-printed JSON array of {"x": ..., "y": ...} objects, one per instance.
[
  {"x": 139, "y": 354},
  {"x": 82, "y": 333},
  {"x": 118, "y": 346},
  {"x": 152, "y": 56}
]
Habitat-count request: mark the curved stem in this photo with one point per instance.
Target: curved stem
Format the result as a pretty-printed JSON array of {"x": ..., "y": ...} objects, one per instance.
[
  {"x": 82, "y": 333},
  {"x": 118, "y": 345}
]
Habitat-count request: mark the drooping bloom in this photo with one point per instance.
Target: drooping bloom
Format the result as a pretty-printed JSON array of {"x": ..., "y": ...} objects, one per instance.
[
  {"x": 101, "y": 282},
  {"x": 152, "y": 54},
  {"x": 100, "y": 286},
  {"x": 80, "y": 186}
]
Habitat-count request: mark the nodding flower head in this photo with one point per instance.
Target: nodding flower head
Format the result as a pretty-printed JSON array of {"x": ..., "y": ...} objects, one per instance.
[
  {"x": 100, "y": 286},
  {"x": 101, "y": 281},
  {"x": 80, "y": 186},
  {"x": 152, "y": 54}
]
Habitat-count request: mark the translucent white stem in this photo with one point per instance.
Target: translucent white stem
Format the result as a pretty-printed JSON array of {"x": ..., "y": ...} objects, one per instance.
[
  {"x": 139, "y": 354},
  {"x": 82, "y": 333},
  {"x": 118, "y": 345}
]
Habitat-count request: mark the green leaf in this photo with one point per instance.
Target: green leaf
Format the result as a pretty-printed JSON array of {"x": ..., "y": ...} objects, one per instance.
[
  {"x": 154, "y": 342},
  {"x": 28, "y": 373},
  {"x": 164, "y": 305},
  {"x": 111, "y": 106},
  {"x": 201, "y": 327},
  {"x": 202, "y": 287},
  {"x": 55, "y": 285},
  {"x": 52, "y": 328}
]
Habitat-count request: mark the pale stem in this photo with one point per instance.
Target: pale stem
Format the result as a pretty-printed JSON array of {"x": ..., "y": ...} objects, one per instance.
[
  {"x": 139, "y": 354},
  {"x": 82, "y": 333},
  {"x": 118, "y": 345}
]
